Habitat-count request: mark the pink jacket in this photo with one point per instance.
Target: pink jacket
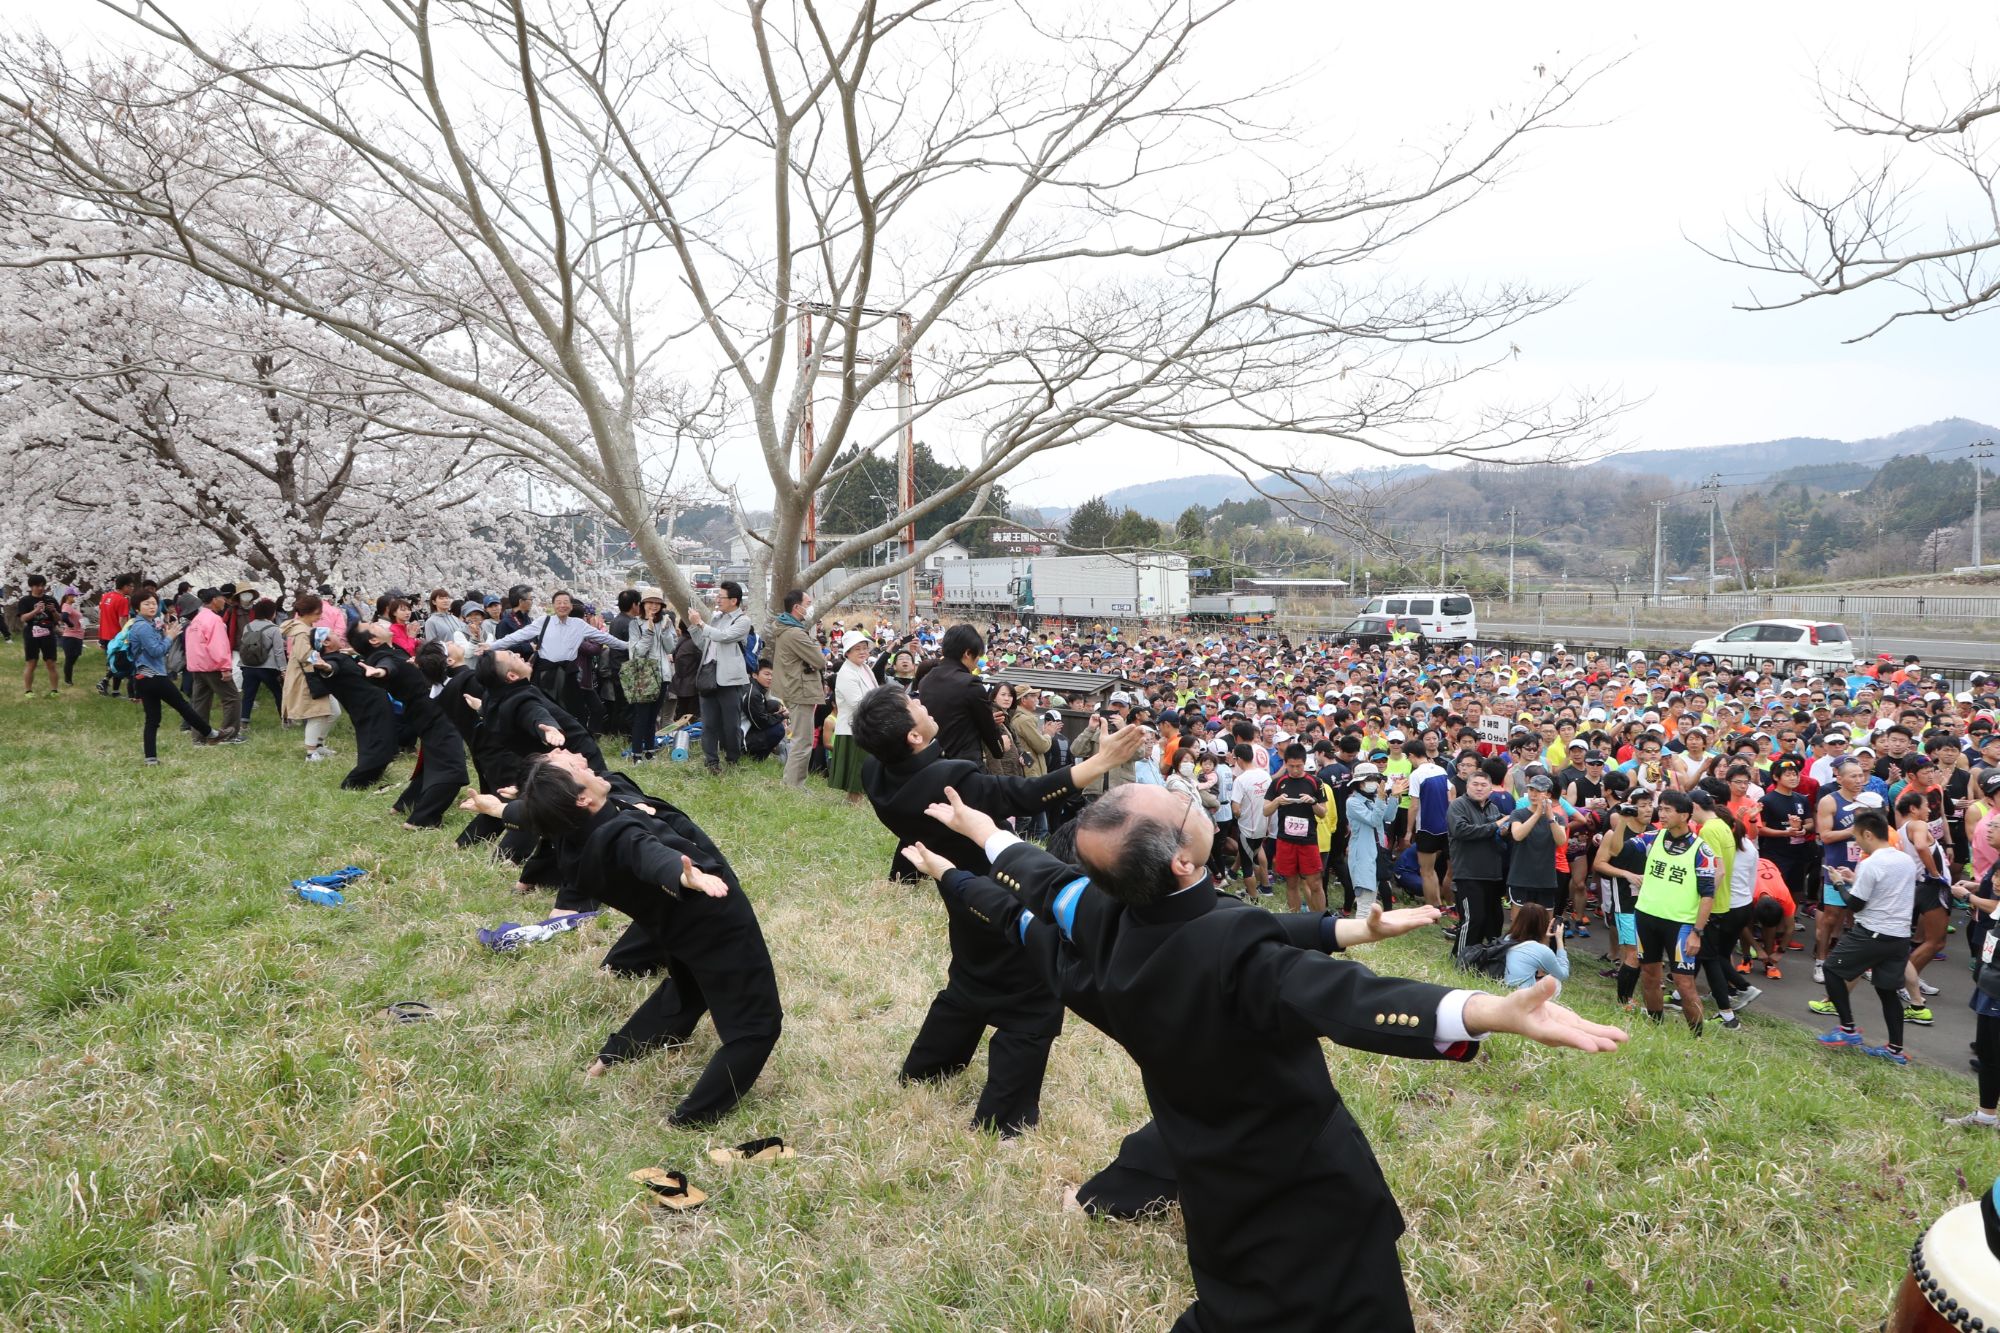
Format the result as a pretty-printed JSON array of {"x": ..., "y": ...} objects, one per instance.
[{"x": 207, "y": 642}]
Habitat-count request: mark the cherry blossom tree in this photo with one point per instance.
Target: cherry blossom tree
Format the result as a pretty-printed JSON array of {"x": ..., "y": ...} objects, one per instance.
[
  {"x": 152, "y": 419},
  {"x": 642, "y": 240}
]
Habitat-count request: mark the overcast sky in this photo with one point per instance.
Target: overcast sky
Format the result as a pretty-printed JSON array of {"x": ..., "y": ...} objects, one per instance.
[{"x": 1714, "y": 106}]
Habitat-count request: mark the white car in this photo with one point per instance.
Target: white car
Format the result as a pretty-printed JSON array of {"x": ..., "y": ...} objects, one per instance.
[{"x": 1817, "y": 642}]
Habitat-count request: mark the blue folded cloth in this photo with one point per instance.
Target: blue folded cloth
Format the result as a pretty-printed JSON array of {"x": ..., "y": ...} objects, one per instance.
[{"x": 509, "y": 936}]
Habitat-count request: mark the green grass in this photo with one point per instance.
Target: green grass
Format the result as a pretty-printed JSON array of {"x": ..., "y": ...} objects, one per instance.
[{"x": 209, "y": 1125}]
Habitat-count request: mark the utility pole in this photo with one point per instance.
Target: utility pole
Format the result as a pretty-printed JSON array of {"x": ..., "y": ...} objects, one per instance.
[
  {"x": 1709, "y": 487},
  {"x": 1981, "y": 451},
  {"x": 1659, "y": 517},
  {"x": 1443, "y": 547},
  {"x": 1513, "y": 514}
]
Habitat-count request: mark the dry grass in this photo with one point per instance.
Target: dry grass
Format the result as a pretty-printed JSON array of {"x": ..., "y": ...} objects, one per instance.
[{"x": 211, "y": 1126}]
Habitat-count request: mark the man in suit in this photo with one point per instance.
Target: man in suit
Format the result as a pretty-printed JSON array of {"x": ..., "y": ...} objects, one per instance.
[
  {"x": 989, "y": 983},
  {"x": 658, "y": 868},
  {"x": 1290, "y": 1224}
]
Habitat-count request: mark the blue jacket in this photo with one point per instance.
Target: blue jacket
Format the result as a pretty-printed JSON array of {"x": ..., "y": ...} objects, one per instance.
[
  {"x": 1527, "y": 958},
  {"x": 149, "y": 648}
]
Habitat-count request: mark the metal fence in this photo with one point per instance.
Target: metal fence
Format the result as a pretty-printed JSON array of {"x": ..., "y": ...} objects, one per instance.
[
  {"x": 1755, "y": 605},
  {"x": 1957, "y": 676}
]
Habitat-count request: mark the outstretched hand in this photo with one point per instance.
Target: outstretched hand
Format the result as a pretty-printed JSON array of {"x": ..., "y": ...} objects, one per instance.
[
  {"x": 552, "y": 736},
  {"x": 1382, "y": 925},
  {"x": 701, "y": 881},
  {"x": 927, "y": 862},
  {"x": 961, "y": 818},
  {"x": 1123, "y": 745},
  {"x": 483, "y": 804},
  {"x": 1532, "y": 1012}
]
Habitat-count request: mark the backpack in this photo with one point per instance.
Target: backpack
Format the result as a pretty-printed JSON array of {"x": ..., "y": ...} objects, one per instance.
[
  {"x": 751, "y": 648},
  {"x": 255, "y": 649},
  {"x": 1488, "y": 958},
  {"x": 118, "y": 654}
]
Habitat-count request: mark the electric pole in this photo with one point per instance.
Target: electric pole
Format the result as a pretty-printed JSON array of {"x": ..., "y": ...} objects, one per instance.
[
  {"x": 1513, "y": 515},
  {"x": 1981, "y": 451},
  {"x": 1659, "y": 516},
  {"x": 1444, "y": 546},
  {"x": 1709, "y": 487}
]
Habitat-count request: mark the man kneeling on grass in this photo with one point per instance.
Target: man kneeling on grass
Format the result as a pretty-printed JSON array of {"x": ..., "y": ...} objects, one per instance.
[{"x": 653, "y": 863}]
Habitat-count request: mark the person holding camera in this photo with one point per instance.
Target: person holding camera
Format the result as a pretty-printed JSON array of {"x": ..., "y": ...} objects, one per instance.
[
  {"x": 1537, "y": 949},
  {"x": 1371, "y": 806}
]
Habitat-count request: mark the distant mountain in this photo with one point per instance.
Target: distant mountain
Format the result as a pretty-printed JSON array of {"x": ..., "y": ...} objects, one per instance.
[
  {"x": 1166, "y": 498},
  {"x": 1772, "y": 457}
]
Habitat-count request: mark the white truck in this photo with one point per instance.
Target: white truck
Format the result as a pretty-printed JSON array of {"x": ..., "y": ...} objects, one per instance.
[
  {"x": 1234, "y": 608},
  {"x": 1145, "y": 586},
  {"x": 993, "y": 583}
]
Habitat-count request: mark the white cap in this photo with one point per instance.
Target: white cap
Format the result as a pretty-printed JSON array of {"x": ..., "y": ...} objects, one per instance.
[
  {"x": 1366, "y": 770},
  {"x": 853, "y": 639}
]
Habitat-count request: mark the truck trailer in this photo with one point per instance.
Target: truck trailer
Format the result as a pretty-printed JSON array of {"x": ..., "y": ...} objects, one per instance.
[{"x": 1145, "y": 586}]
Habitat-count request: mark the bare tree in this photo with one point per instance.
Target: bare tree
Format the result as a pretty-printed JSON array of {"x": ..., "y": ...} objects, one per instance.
[
  {"x": 1825, "y": 242},
  {"x": 628, "y": 234}
]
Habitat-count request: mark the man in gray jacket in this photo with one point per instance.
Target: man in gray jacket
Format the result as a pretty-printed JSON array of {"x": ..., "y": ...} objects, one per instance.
[
  {"x": 1475, "y": 825},
  {"x": 798, "y": 667},
  {"x": 721, "y": 639}
]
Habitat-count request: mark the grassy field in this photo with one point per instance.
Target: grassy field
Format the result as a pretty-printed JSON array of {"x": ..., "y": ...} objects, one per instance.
[{"x": 209, "y": 1124}]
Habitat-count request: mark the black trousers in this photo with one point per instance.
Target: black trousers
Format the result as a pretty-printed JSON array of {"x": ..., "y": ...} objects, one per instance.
[
  {"x": 1986, "y": 1037},
  {"x": 636, "y": 954},
  {"x": 1024, "y": 1027},
  {"x": 155, "y": 691},
  {"x": 722, "y": 724},
  {"x": 1482, "y": 910},
  {"x": 510, "y": 844},
  {"x": 71, "y": 650},
  {"x": 1717, "y": 943},
  {"x": 439, "y": 775},
  {"x": 1140, "y": 1179},
  {"x": 645, "y": 733},
  {"x": 748, "y": 1017}
]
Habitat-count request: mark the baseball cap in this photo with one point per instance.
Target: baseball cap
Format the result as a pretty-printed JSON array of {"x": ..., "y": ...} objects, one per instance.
[
  {"x": 1051, "y": 716},
  {"x": 1989, "y": 781},
  {"x": 1540, "y": 782}
]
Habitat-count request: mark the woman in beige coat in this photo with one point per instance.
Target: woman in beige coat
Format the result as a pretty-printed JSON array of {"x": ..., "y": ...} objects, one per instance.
[{"x": 319, "y": 715}]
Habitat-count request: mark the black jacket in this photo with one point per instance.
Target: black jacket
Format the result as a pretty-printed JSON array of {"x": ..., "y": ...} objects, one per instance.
[
  {"x": 368, "y": 708},
  {"x": 984, "y": 966},
  {"x": 1291, "y": 1227},
  {"x": 510, "y": 722},
  {"x": 1475, "y": 831},
  {"x": 964, "y": 714}
]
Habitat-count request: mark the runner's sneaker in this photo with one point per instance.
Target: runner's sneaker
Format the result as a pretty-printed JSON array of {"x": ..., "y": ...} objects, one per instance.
[
  {"x": 1743, "y": 966},
  {"x": 1840, "y": 1037},
  {"x": 1746, "y": 996},
  {"x": 1729, "y": 1021},
  {"x": 1819, "y": 973},
  {"x": 1771, "y": 972},
  {"x": 1922, "y": 1017},
  {"x": 1926, "y": 987},
  {"x": 1889, "y": 1053},
  {"x": 1975, "y": 1120},
  {"x": 1822, "y": 1006}
]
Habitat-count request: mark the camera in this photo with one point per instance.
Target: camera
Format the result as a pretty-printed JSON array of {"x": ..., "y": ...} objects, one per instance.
[{"x": 1629, "y": 810}]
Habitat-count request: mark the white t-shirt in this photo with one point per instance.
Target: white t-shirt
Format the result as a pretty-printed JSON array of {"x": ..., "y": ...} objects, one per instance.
[{"x": 1250, "y": 785}]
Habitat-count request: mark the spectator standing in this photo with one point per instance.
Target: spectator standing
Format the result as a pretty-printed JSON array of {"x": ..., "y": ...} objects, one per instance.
[
  {"x": 443, "y": 624},
  {"x": 650, "y": 641},
  {"x": 952, "y": 695},
  {"x": 798, "y": 668},
  {"x": 71, "y": 613},
  {"x": 152, "y": 684},
  {"x": 261, "y": 649},
  {"x": 41, "y": 622},
  {"x": 317, "y": 712},
  {"x": 209, "y": 662},
  {"x": 851, "y": 685},
  {"x": 1474, "y": 825},
  {"x": 113, "y": 610},
  {"x": 721, "y": 638}
]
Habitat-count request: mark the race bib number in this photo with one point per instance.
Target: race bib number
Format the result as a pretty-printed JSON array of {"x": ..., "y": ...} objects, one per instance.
[
  {"x": 1992, "y": 938},
  {"x": 1294, "y": 826}
]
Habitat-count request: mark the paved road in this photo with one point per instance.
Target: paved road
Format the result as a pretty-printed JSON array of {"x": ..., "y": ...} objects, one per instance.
[
  {"x": 1944, "y": 1045},
  {"x": 1943, "y": 652}
]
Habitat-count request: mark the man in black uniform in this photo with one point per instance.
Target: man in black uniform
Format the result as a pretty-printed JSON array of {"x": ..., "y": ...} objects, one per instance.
[
  {"x": 1290, "y": 1224},
  {"x": 989, "y": 983},
  {"x": 660, "y": 869}
]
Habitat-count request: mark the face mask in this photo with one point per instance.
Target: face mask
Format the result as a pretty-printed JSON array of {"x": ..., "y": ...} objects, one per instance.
[{"x": 1369, "y": 788}]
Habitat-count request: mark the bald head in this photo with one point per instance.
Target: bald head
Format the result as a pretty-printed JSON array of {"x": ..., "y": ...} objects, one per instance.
[{"x": 1140, "y": 842}]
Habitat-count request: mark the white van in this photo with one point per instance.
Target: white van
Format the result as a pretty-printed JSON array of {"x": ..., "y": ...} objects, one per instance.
[{"x": 1444, "y": 615}]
